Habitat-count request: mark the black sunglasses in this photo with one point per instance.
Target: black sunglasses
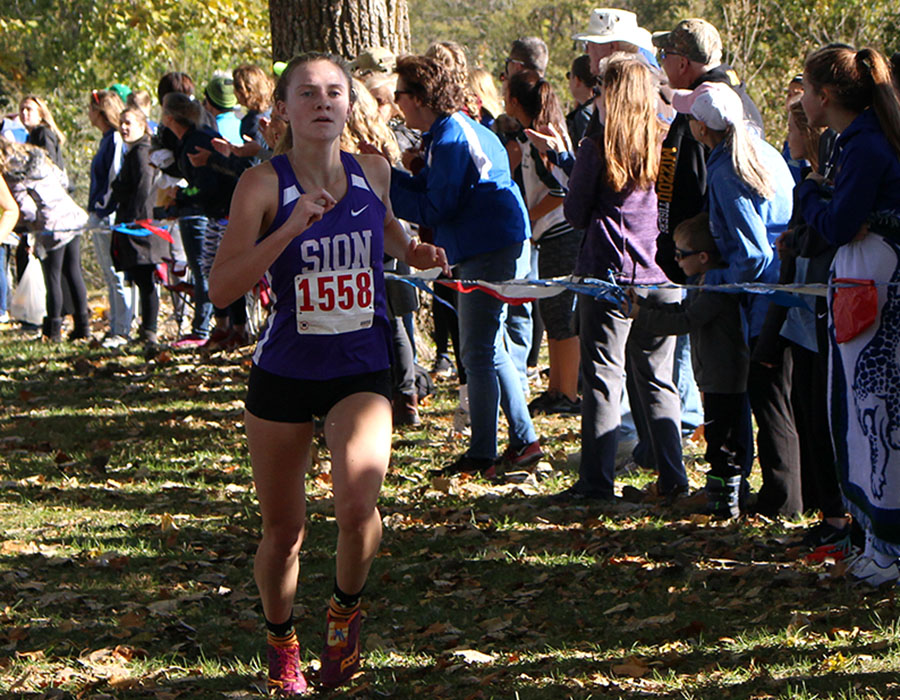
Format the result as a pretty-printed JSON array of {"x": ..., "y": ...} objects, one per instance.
[
  {"x": 681, "y": 253},
  {"x": 668, "y": 52}
]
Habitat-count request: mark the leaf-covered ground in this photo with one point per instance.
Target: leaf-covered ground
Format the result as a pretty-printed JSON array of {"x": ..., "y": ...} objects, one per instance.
[{"x": 128, "y": 525}]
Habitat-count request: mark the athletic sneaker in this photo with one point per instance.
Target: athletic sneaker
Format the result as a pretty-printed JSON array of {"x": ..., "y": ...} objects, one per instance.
[
  {"x": 285, "y": 676},
  {"x": 192, "y": 340},
  {"x": 822, "y": 534},
  {"x": 442, "y": 366},
  {"x": 866, "y": 570},
  {"x": 467, "y": 465},
  {"x": 113, "y": 341},
  {"x": 522, "y": 456},
  {"x": 563, "y": 405},
  {"x": 340, "y": 657}
]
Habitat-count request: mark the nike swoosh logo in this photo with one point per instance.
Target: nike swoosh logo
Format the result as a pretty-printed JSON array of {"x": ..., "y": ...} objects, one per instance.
[{"x": 358, "y": 211}]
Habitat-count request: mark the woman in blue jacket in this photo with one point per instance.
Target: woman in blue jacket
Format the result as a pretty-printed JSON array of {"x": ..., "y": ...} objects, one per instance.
[
  {"x": 750, "y": 202},
  {"x": 466, "y": 194}
]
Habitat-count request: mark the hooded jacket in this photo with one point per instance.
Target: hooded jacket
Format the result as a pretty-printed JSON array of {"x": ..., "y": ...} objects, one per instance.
[
  {"x": 745, "y": 226},
  {"x": 39, "y": 188},
  {"x": 866, "y": 185},
  {"x": 682, "y": 179}
]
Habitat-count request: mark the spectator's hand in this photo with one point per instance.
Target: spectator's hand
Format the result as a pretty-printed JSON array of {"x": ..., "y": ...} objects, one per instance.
[
  {"x": 248, "y": 149},
  {"x": 272, "y": 130},
  {"x": 424, "y": 256},
  {"x": 199, "y": 157},
  {"x": 783, "y": 244},
  {"x": 514, "y": 151},
  {"x": 630, "y": 305},
  {"x": 546, "y": 139},
  {"x": 222, "y": 147},
  {"x": 369, "y": 149},
  {"x": 409, "y": 156}
]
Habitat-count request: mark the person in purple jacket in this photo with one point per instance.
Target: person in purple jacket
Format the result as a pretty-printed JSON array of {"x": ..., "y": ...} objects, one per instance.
[
  {"x": 316, "y": 222},
  {"x": 611, "y": 196}
]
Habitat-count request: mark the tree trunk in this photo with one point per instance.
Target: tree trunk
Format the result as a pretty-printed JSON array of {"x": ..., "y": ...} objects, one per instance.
[{"x": 344, "y": 27}]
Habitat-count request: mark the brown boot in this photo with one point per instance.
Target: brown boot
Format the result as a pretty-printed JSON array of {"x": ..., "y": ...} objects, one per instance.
[{"x": 406, "y": 409}]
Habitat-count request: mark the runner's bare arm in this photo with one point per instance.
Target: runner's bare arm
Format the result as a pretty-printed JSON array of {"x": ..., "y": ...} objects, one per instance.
[
  {"x": 241, "y": 262},
  {"x": 397, "y": 243}
]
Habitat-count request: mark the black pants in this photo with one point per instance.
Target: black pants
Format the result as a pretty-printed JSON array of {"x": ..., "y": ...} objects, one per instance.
[
  {"x": 446, "y": 326},
  {"x": 236, "y": 312},
  {"x": 809, "y": 397},
  {"x": 142, "y": 276},
  {"x": 769, "y": 389},
  {"x": 63, "y": 265},
  {"x": 728, "y": 429}
]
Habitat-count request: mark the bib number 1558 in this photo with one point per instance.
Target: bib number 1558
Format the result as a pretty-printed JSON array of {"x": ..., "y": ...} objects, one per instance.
[{"x": 334, "y": 302}]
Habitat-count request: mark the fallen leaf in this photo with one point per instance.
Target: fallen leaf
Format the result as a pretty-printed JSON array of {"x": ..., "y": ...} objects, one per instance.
[
  {"x": 471, "y": 656},
  {"x": 633, "y": 668}
]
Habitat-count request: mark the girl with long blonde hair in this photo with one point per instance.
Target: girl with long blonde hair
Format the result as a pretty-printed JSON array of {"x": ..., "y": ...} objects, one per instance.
[
  {"x": 611, "y": 196},
  {"x": 42, "y": 129}
]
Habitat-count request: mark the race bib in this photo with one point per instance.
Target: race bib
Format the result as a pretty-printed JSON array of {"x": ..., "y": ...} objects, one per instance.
[{"x": 333, "y": 302}]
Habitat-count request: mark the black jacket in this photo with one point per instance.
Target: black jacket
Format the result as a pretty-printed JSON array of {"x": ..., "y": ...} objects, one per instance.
[
  {"x": 210, "y": 188},
  {"x": 43, "y": 137},
  {"x": 133, "y": 187},
  {"x": 681, "y": 183}
]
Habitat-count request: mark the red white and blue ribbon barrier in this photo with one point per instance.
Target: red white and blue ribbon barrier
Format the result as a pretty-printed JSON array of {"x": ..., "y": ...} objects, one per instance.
[{"x": 524, "y": 291}]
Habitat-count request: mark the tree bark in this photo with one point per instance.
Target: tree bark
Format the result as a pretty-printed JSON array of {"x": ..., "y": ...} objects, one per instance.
[{"x": 344, "y": 27}]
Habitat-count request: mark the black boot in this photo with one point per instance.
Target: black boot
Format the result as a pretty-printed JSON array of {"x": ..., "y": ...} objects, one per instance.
[
  {"x": 406, "y": 409},
  {"x": 82, "y": 328},
  {"x": 52, "y": 329},
  {"x": 723, "y": 495}
]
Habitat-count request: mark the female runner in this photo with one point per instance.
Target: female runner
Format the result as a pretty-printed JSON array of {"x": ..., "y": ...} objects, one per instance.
[{"x": 317, "y": 222}]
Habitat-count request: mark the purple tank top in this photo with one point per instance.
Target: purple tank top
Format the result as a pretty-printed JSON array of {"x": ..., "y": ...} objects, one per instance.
[{"x": 330, "y": 313}]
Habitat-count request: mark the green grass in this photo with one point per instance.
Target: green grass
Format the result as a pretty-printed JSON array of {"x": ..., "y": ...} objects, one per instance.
[{"x": 129, "y": 524}]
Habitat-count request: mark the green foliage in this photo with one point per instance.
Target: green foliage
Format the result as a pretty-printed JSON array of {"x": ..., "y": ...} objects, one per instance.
[
  {"x": 63, "y": 50},
  {"x": 487, "y": 27}
]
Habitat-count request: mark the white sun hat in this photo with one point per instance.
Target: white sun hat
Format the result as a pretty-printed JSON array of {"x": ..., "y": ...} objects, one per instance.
[{"x": 607, "y": 25}]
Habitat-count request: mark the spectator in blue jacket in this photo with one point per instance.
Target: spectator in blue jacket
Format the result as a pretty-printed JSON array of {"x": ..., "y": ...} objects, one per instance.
[
  {"x": 466, "y": 194},
  {"x": 750, "y": 192}
]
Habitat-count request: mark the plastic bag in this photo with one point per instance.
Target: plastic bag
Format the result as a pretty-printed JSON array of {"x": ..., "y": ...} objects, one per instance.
[
  {"x": 854, "y": 309},
  {"x": 29, "y": 301}
]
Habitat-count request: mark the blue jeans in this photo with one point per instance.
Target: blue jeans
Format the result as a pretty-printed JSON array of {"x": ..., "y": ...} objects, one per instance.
[
  {"x": 691, "y": 405},
  {"x": 193, "y": 231},
  {"x": 519, "y": 325},
  {"x": 493, "y": 379},
  {"x": 120, "y": 311}
]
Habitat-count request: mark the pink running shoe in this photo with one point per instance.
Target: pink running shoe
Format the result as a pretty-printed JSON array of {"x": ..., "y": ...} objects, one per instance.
[
  {"x": 285, "y": 677},
  {"x": 189, "y": 341},
  {"x": 340, "y": 657}
]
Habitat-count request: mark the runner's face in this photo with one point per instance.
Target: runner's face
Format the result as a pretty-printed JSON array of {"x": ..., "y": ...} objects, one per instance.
[{"x": 318, "y": 100}]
